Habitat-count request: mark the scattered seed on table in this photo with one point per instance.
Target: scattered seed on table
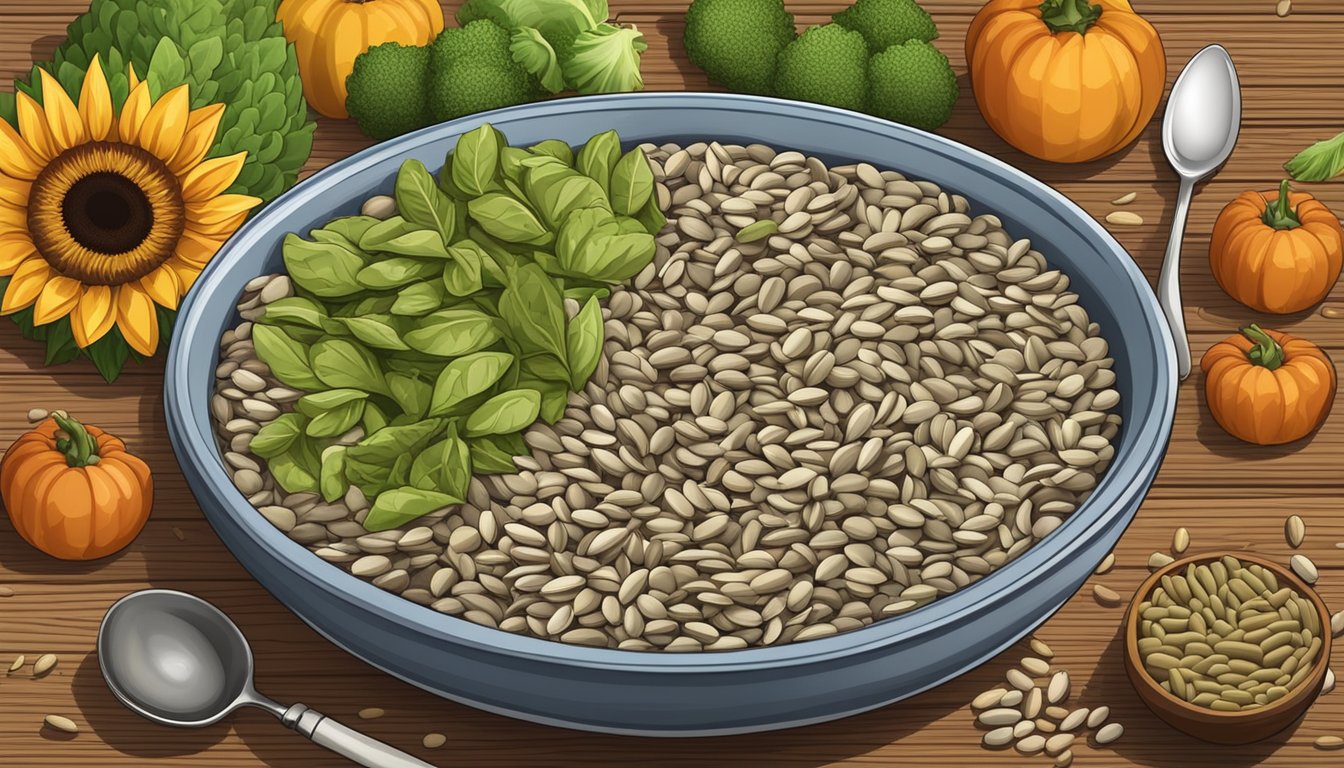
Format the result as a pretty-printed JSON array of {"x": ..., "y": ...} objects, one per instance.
[
  {"x": 1283, "y": 8},
  {"x": 1328, "y": 742},
  {"x": 434, "y": 740},
  {"x": 999, "y": 716},
  {"x": 1125, "y": 199},
  {"x": 371, "y": 713},
  {"x": 37, "y": 414},
  {"x": 1064, "y": 759},
  {"x": 1024, "y": 729},
  {"x": 1159, "y": 560},
  {"x": 1042, "y": 649},
  {"x": 999, "y": 737},
  {"x": 988, "y": 699},
  {"x": 1036, "y": 667},
  {"x": 1107, "y": 563},
  {"x": 1337, "y": 624},
  {"x": 1058, "y": 689},
  {"x": 1098, "y": 716},
  {"x": 1109, "y": 733},
  {"x": 1106, "y": 596},
  {"x": 1058, "y": 743},
  {"x": 6, "y": 591},
  {"x": 1019, "y": 680},
  {"x": 63, "y": 724},
  {"x": 1073, "y": 720},
  {"x": 1180, "y": 541},
  {"x": 1031, "y": 745},
  {"x": 17, "y": 664},
  {"x": 1304, "y": 568},
  {"x": 44, "y": 664},
  {"x": 179, "y": 533},
  {"x": 1124, "y": 218},
  {"x": 1329, "y": 684},
  {"x": 1294, "y": 530}
]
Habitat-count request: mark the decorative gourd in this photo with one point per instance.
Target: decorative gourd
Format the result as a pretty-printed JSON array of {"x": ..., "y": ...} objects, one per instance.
[
  {"x": 328, "y": 35},
  {"x": 1267, "y": 387},
  {"x": 77, "y": 496},
  {"x": 1276, "y": 253},
  {"x": 1065, "y": 80}
]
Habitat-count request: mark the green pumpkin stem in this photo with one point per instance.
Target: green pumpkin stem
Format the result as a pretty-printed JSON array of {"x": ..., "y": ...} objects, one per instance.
[
  {"x": 1280, "y": 214},
  {"x": 1069, "y": 15},
  {"x": 1266, "y": 352},
  {"x": 80, "y": 449}
]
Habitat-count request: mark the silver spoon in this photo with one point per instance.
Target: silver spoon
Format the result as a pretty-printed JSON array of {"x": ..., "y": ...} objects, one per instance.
[
  {"x": 1198, "y": 133},
  {"x": 178, "y": 660}
]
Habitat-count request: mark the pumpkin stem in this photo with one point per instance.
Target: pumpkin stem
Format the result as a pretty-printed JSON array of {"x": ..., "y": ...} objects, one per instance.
[
  {"x": 1280, "y": 214},
  {"x": 80, "y": 449},
  {"x": 1069, "y": 15},
  {"x": 1266, "y": 352}
]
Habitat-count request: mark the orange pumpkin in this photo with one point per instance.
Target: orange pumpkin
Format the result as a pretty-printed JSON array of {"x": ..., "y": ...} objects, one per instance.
[
  {"x": 1065, "y": 80},
  {"x": 328, "y": 35},
  {"x": 1276, "y": 252},
  {"x": 1267, "y": 387},
  {"x": 77, "y": 496}
]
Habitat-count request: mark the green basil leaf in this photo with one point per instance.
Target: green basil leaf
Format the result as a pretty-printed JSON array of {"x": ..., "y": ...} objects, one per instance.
[
  {"x": 508, "y": 219},
  {"x": 337, "y": 421},
  {"x": 427, "y": 469},
  {"x": 276, "y": 438},
  {"x": 371, "y": 478},
  {"x": 456, "y": 464},
  {"x": 532, "y": 307},
  {"x": 332, "y": 482},
  {"x": 488, "y": 457},
  {"x": 462, "y": 277},
  {"x": 554, "y": 148},
  {"x": 573, "y": 193},
  {"x": 378, "y": 331},
  {"x": 599, "y": 156},
  {"x": 422, "y": 203},
  {"x": 476, "y": 160},
  {"x": 395, "y": 272},
  {"x": 598, "y": 246},
  {"x": 287, "y": 358},
  {"x": 582, "y": 293},
  {"x": 349, "y": 230},
  {"x": 374, "y": 418},
  {"x": 386, "y": 444},
  {"x": 418, "y": 244},
  {"x": 583, "y": 342},
  {"x": 322, "y": 269},
  {"x": 371, "y": 305},
  {"x": 292, "y": 475},
  {"x": 318, "y": 403},
  {"x": 399, "y": 506},
  {"x": 384, "y": 232},
  {"x": 631, "y": 183},
  {"x": 296, "y": 310},
  {"x": 411, "y": 393},
  {"x": 651, "y": 216},
  {"x": 545, "y": 368},
  {"x": 511, "y": 163},
  {"x": 467, "y": 377},
  {"x": 505, "y": 413},
  {"x": 554, "y": 397},
  {"x": 339, "y": 363},
  {"x": 453, "y": 333},
  {"x": 419, "y": 299}
]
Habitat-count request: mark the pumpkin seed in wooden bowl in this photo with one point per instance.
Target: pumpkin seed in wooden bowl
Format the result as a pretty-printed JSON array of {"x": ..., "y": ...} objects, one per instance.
[{"x": 1227, "y": 647}]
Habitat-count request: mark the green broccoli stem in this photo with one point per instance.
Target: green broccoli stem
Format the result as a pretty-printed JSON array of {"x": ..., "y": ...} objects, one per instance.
[
  {"x": 1280, "y": 214},
  {"x": 1069, "y": 15}
]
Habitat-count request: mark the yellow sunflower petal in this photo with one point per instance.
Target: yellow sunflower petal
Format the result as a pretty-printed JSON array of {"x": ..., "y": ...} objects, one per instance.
[
  {"x": 13, "y": 217},
  {"x": 221, "y": 230},
  {"x": 220, "y": 209},
  {"x": 58, "y": 297},
  {"x": 33, "y": 126},
  {"x": 63, "y": 118},
  {"x": 197, "y": 249},
  {"x": 202, "y": 127},
  {"x": 25, "y": 286},
  {"x": 94, "y": 315},
  {"x": 186, "y": 273},
  {"x": 137, "y": 320},
  {"x": 133, "y": 112},
  {"x": 165, "y": 125},
  {"x": 131, "y": 78},
  {"x": 14, "y": 250},
  {"x": 95, "y": 103},
  {"x": 17, "y": 159},
  {"x": 14, "y": 191},
  {"x": 209, "y": 179},
  {"x": 162, "y": 286}
]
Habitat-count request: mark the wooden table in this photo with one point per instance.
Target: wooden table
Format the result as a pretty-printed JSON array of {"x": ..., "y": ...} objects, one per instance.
[{"x": 1227, "y": 494}]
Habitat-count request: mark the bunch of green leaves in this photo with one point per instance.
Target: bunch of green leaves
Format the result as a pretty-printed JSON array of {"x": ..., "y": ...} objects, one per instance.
[
  {"x": 228, "y": 51},
  {"x": 567, "y": 43},
  {"x": 442, "y": 332}
]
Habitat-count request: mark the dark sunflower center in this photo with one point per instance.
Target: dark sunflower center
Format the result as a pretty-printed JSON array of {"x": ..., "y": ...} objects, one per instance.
[{"x": 107, "y": 213}]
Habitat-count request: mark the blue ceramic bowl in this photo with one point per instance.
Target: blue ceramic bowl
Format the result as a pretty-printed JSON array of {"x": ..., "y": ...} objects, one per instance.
[{"x": 697, "y": 693}]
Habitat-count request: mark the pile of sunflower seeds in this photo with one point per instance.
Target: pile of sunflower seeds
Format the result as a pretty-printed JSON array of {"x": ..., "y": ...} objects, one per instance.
[
  {"x": 1031, "y": 712},
  {"x": 833, "y": 397}
]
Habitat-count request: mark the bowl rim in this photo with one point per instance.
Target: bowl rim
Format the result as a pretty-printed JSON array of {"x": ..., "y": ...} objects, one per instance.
[
  {"x": 1123, "y": 486},
  {"x": 1303, "y": 694}
]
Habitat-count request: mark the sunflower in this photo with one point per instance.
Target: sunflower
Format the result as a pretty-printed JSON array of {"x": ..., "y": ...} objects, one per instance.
[{"x": 103, "y": 214}]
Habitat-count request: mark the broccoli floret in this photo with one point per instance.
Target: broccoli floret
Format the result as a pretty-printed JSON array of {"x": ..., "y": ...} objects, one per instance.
[
  {"x": 736, "y": 42},
  {"x": 471, "y": 69},
  {"x": 826, "y": 65},
  {"x": 387, "y": 90},
  {"x": 912, "y": 84},
  {"x": 884, "y": 23}
]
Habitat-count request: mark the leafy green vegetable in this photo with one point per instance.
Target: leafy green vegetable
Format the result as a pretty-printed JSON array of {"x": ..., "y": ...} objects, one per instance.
[
  {"x": 463, "y": 276},
  {"x": 378, "y": 331},
  {"x": 453, "y": 333},
  {"x": 324, "y": 269},
  {"x": 606, "y": 59},
  {"x": 422, "y": 203},
  {"x": 342, "y": 363},
  {"x": 337, "y": 421},
  {"x": 332, "y": 482},
  {"x": 296, "y": 310},
  {"x": 533, "y": 51},
  {"x": 1322, "y": 161},
  {"x": 583, "y": 340},
  {"x": 276, "y": 438},
  {"x": 593, "y": 245},
  {"x": 400, "y": 506},
  {"x": 493, "y": 455},
  {"x": 533, "y": 309},
  {"x": 508, "y": 219},
  {"x": 631, "y": 183},
  {"x": 476, "y": 161},
  {"x": 419, "y": 300},
  {"x": 467, "y": 377},
  {"x": 410, "y": 393},
  {"x": 599, "y": 156},
  {"x": 394, "y": 273},
  {"x": 505, "y": 413},
  {"x": 318, "y": 403},
  {"x": 554, "y": 148},
  {"x": 287, "y": 358},
  {"x": 377, "y": 236}
]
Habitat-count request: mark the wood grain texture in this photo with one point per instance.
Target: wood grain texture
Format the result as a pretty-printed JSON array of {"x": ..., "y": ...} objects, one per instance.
[{"x": 1229, "y": 495}]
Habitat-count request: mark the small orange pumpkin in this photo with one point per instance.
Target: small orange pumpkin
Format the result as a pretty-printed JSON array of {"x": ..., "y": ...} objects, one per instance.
[
  {"x": 77, "y": 496},
  {"x": 1065, "y": 80},
  {"x": 328, "y": 35},
  {"x": 1276, "y": 253},
  {"x": 1267, "y": 387}
]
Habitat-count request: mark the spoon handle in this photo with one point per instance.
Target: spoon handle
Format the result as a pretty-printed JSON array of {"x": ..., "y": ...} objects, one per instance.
[
  {"x": 347, "y": 742},
  {"x": 1169, "y": 284}
]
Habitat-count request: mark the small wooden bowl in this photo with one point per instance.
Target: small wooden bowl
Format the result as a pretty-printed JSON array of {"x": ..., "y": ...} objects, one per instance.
[{"x": 1212, "y": 725}]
